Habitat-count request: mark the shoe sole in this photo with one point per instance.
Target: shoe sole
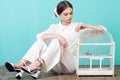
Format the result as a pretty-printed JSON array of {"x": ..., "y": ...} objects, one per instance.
[
  {"x": 18, "y": 77},
  {"x": 10, "y": 67}
]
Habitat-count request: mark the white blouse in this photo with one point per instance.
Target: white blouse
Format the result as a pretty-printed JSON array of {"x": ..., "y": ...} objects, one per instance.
[{"x": 68, "y": 32}]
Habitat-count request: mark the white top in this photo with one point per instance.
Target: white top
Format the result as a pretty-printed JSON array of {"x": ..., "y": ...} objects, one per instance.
[{"x": 68, "y": 32}]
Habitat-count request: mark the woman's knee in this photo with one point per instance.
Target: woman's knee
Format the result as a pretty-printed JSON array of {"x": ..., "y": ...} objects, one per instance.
[{"x": 55, "y": 41}]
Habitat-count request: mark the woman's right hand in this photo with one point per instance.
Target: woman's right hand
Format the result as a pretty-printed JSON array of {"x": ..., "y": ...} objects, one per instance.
[{"x": 62, "y": 40}]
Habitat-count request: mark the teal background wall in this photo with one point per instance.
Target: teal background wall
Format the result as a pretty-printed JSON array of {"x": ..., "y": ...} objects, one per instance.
[{"x": 21, "y": 20}]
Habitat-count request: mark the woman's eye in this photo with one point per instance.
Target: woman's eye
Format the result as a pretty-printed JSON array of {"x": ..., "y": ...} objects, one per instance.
[
  {"x": 71, "y": 13},
  {"x": 65, "y": 14}
]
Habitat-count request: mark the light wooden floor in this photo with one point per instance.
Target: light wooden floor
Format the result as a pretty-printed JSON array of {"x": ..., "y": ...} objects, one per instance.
[{"x": 5, "y": 75}]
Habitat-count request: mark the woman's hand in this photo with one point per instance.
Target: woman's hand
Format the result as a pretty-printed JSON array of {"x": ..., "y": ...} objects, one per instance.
[
  {"x": 62, "y": 40},
  {"x": 100, "y": 28}
]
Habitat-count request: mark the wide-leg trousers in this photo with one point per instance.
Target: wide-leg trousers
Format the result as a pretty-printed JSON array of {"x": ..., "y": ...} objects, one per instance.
[{"x": 55, "y": 57}]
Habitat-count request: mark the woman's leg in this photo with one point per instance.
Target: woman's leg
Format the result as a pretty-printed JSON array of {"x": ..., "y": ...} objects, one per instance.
[
  {"x": 33, "y": 53},
  {"x": 36, "y": 50},
  {"x": 50, "y": 57}
]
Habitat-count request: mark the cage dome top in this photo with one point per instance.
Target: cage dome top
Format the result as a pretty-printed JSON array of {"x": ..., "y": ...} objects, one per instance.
[{"x": 95, "y": 36}]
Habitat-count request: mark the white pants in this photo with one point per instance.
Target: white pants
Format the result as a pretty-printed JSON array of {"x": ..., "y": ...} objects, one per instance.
[
  {"x": 57, "y": 58},
  {"x": 53, "y": 55}
]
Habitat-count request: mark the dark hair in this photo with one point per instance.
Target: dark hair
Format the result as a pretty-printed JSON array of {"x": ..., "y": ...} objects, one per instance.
[{"x": 62, "y": 6}]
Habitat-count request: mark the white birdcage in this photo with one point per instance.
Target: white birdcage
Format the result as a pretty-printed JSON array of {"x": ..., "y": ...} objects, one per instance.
[{"x": 95, "y": 53}]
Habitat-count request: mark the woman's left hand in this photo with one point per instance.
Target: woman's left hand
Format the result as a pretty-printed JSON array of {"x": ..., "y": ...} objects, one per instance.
[{"x": 100, "y": 28}]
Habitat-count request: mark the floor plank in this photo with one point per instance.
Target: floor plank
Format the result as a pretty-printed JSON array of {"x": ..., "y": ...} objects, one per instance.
[{"x": 6, "y": 75}]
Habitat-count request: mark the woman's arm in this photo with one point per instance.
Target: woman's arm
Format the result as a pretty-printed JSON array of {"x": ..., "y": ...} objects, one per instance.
[
  {"x": 49, "y": 36},
  {"x": 83, "y": 26}
]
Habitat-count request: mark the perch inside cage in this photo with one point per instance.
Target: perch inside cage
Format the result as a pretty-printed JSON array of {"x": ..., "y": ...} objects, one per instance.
[{"x": 95, "y": 53}]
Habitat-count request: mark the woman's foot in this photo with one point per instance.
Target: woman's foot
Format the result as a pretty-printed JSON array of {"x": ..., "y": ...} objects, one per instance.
[
  {"x": 14, "y": 67},
  {"x": 33, "y": 67},
  {"x": 10, "y": 67}
]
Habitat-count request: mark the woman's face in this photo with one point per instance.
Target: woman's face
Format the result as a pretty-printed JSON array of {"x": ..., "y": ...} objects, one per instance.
[{"x": 66, "y": 16}]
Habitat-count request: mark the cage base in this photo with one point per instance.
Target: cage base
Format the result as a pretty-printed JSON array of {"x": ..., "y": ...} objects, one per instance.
[{"x": 94, "y": 72}]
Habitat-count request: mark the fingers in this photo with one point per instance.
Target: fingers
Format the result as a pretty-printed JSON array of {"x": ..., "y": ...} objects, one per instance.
[
  {"x": 63, "y": 41},
  {"x": 64, "y": 44}
]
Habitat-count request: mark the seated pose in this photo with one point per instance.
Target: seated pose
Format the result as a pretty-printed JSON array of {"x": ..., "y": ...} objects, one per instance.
[{"x": 59, "y": 55}]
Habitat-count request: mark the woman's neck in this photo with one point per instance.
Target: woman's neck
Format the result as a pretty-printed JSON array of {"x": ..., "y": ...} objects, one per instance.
[{"x": 65, "y": 23}]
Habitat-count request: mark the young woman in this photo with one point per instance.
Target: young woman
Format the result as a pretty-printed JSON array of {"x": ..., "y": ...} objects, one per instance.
[{"x": 59, "y": 55}]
